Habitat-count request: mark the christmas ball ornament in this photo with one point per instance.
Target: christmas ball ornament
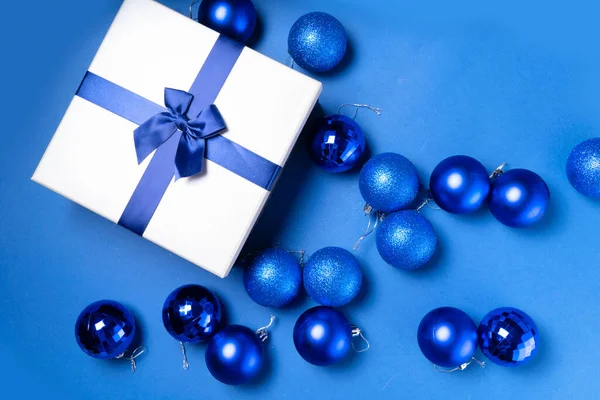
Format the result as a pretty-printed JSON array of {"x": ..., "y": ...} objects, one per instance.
[
  {"x": 274, "y": 278},
  {"x": 519, "y": 198},
  {"x": 508, "y": 336},
  {"x": 338, "y": 144},
  {"x": 389, "y": 182},
  {"x": 317, "y": 42},
  {"x": 406, "y": 240},
  {"x": 447, "y": 337},
  {"x": 583, "y": 168},
  {"x": 332, "y": 276},
  {"x": 459, "y": 185},
  {"x": 233, "y": 18}
]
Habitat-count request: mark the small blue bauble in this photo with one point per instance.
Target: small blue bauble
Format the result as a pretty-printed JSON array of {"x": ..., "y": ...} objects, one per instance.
[
  {"x": 317, "y": 42},
  {"x": 406, "y": 240},
  {"x": 388, "y": 182},
  {"x": 459, "y": 185},
  {"x": 192, "y": 314},
  {"x": 233, "y": 18},
  {"x": 447, "y": 337},
  {"x": 322, "y": 336},
  {"x": 273, "y": 279},
  {"x": 104, "y": 329},
  {"x": 583, "y": 168},
  {"x": 332, "y": 276},
  {"x": 519, "y": 198},
  {"x": 234, "y": 355},
  {"x": 338, "y": 144},
  {"x": 508, "y": 337}
]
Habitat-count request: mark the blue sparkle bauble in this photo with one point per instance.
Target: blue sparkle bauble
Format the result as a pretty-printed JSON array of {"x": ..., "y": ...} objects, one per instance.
[
  {"x": 274, "y": 278},
  {"x": 519, "y": 198},
  {"x": 388, "y": 182},
  {"x": 192, "y": 314},
  {"x": 583, "y": 168},
  {"x": 406, "y": 240},
  {"x": 317, "y": 42},
  {"x": 233, "y": 18},
  {"x": 105, "y": 329},
  {"x": 447, "y": 337},
  {"x": 322, "y": 336},
  {"x": 459, "y": 185},
  {"x": 332, "y": 276},
  {"x": 338, "y": 144},
  {"x": 508, "y": 336},
  {"x": 235, "y": 355}
]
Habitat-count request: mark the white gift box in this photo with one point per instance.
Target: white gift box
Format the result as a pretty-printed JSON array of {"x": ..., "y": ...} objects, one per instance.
[{"x": 92, "y": 161}]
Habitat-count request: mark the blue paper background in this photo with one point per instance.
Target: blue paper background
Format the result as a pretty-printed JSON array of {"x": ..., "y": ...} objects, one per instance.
[{"x": 502, "y": 81}]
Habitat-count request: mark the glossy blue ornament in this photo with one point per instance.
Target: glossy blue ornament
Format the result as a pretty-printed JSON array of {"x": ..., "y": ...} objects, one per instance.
[
  {"x": 105, "y": 329},
  {"x": 406, "y": 240},
  {"x": 459, "y": 185},
  {"x": 508, "y": 336},
  {"x": 322, "y": 336},
  {"x": 338, "y": 144},
  {"x": 519, "y": 198},
  {"x": 233, "y": 18},
  {"x": 332, "y": 276},
  {"x": 317, "y": 42},
  {"x": 191, "y": 314},
  {"x": 583, "y": 168},
  {"x": 389, "y": 182},
  {"x": 274, "y": 278},
  {"x": 447, "y": 337}
]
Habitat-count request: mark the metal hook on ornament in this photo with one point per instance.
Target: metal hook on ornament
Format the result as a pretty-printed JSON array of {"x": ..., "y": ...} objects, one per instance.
[
  {"x": 461, "y": 367},
  {"x": 357, "y": 332},
  {"x": 369, "y": 212},
  {"x": 134, "y": 354},
  {"x": 301, "y": 254},
  {"x": 428, "y": 201},
  {"x": 263, "y": 333},
  {"x": 498, "y": 171},
  {"x": 357, "y": 107}
]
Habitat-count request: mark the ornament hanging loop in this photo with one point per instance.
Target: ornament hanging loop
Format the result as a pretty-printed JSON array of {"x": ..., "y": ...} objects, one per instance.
[
  {"x": 186, "y": 364},
  {"x": 263, "y": 333},
  {"x": 461, "y": 367},
  {"x": 357, "y": 332},
  {"x": 134, "y": 354},
  {"x": 357, "y": 107},
  {"x": 192, "y": 8},
  {"x": 370, "y": 212},
  {"x": 301, "y": 254},
  {"x": 427, "y": 201},
  {"x": 498, "y": 171}
]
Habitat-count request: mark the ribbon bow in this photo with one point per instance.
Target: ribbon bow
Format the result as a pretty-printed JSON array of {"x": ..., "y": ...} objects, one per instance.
[{"x": 189, "y": 158}]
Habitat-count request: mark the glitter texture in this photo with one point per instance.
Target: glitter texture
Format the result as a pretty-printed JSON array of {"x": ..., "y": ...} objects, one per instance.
[
  {"x": 583, "y": 168},
  {"x": 338, "y": 144}
]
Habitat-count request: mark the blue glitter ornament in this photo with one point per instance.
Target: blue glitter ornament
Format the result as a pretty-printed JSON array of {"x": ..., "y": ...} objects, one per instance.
[
  {"x": 274, "y": 278},
  {"x": 406, "y": 240},
  {"x": 508, "y": 336},
  {"x": 338, "y": 144},
  {"x": 459, "y": 185},
  {"x": 332, "y": 276},
  {"x": 447, "y": 337},
  {"x": 317, "y": 42},
  {"x": 233, "y": 18},
  {"x": 583, "y": 168},
  {"x": 519, "y": 198},
  {"x": 105, "y": 329},
  {"x": 389, "y": 182}
]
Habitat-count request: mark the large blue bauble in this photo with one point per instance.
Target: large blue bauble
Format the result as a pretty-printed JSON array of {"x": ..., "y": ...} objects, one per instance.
[
  {"x": 235, "y": 355},
  {"x": 338, "y": 144},
  {"x": 192, "y": 314},
  {"x": 274, "y": 278},
  {"x": 583, "y": 168},
  {"x": 406, "y": 240},
  {"x": 519, "y": 198},
  {"x": 508, "y": 336},
  {"x": 104, "y": 329},
  {"x": 459, "y": 184},
  {"x": 332, "y": 276},
  {"x": 233, "y": 18},
  {"x": 317, "y": 42},
  {"x": 322, "y": 336},
  {"x": 447, "y": 337},
  {"x": 389, "y": 182}
]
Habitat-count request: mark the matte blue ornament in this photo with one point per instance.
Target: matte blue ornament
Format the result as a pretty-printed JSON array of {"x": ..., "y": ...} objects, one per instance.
[
  {"x": 519, "y": 198},
  {"x": 322, "y": 336},
  {"x": 274, "y": 278},
  {"x": 317, "y": 42},
  {"x": 447, "y": 337},
  {"x": 406, "y": 240},
  {"x": 105, "y": 329},
  {"x": 459, "y": 185},
  {"x": 332, "y": 276},
  {"x": 338, "y": 144},
  {"x": 583, "y": 168},
  {"x": 233, "y": 18},
  {"x": 389, "y": 182},
  {"x": 508, "y": 336}
]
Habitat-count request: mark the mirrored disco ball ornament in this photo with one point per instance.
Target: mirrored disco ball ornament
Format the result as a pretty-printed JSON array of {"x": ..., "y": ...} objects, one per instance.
[{"x": 338, "y": 144}]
